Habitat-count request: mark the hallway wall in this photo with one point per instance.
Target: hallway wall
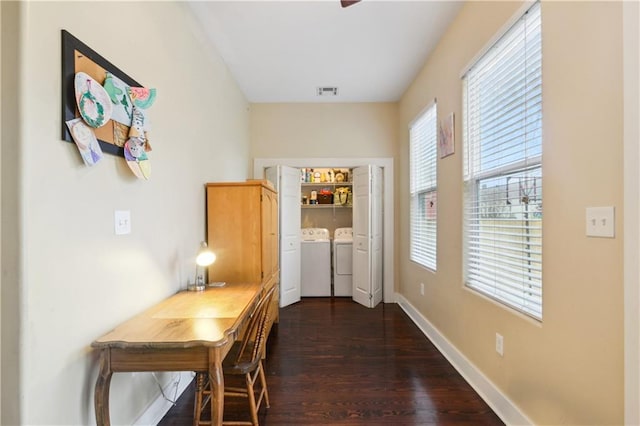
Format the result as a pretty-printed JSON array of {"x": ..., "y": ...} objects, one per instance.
[
  {"x": 76, "y": 279},
  {"x": 568, "y": 368}
]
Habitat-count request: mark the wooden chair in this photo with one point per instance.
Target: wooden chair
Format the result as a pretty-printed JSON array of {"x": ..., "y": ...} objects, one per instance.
[{"x": 244, "y": 359}]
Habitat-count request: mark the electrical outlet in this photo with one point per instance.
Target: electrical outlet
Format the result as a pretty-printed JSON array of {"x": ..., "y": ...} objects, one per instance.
[
  {"x": 422, "y": 289},
  {"x": 500, "y": 344}
]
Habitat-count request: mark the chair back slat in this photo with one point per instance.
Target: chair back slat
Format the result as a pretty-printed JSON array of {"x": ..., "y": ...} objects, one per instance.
[{"x": 255, "y": 335}]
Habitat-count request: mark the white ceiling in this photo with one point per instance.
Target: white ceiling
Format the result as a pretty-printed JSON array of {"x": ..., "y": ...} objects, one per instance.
[{"x": 282, "y": 51}]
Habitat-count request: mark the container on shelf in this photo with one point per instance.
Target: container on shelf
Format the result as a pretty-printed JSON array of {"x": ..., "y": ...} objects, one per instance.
[
  {"x": 342, "y": 196},
  {"x": 325, "y": 198}
]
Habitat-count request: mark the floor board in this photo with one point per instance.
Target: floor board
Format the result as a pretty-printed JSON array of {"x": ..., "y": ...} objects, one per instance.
[{"x": 334, "y": 362}]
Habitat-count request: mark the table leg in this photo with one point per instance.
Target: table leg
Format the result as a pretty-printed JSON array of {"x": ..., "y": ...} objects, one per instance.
[
  {"x": 216, "y": 380},
  {"x": 101, "y": 396}
]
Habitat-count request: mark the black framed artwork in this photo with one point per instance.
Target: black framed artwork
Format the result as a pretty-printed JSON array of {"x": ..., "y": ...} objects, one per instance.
[{"x": 78, "y": 57}]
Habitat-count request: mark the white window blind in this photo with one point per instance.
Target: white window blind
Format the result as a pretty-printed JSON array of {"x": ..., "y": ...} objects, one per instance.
[
  {"x": 502, "y": 107},
  {"x": 423, "y": 188}
]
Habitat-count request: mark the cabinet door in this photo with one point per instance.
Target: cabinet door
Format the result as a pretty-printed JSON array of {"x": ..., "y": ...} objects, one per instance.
[
  {"x": 234, "y": 232},
  {"x": 267, "y": 254},
  {"x": 274, "y": 236}
]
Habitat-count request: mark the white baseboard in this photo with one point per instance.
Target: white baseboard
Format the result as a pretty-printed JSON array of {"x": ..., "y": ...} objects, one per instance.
[
  {"x": 504, "y": 408},
  {"x": 160, "y": 406}
]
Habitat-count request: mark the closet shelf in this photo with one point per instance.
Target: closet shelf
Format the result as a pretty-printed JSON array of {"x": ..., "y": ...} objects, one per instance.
[
  {"x": 324, "y": 206},
  {"x": 325, "y": 183}
]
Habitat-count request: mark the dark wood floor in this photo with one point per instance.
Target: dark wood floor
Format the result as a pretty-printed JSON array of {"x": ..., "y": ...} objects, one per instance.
[{"x": 334, "y": 362}]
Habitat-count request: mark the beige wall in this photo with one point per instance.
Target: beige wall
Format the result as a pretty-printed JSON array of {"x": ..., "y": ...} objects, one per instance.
[
  {"x": 323, "y": 130},
  {"x": 569, "y": 368},
  {"x": 78, "y": 279}
]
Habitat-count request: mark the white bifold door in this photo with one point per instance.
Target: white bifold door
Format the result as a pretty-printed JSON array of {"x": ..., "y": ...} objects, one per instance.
[
  {"x": 367, "y": 235},
  {"x": 287, "y": 183}
]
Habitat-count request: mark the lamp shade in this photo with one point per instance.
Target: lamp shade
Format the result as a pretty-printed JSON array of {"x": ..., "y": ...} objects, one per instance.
[{"x": 205, "y": 256}]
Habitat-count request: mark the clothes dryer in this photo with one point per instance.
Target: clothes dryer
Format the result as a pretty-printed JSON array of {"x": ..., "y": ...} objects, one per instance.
[
  {"x": 342, "y": 262},
  {"x": 315, "y": 258}
]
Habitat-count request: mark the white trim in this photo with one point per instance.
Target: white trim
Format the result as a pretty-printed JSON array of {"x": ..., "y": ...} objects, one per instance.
[
  {"x": 504, "y": 408},
  {"x": 502, "y": 31},
  {"x": 260, "y": 164},
  {"x": 526, "y": 164},
  {"x": 160, "y": 406},
  {"x": 631, "y": 214},
  {"x": 423, "y": 111}
]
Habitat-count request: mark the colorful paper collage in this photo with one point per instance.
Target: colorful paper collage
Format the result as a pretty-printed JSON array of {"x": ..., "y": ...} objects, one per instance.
[
  {"x": 86, "y": 141},
  {"x": 125, "y": 97},
  {"x": 93, "y": 101},
  {"x": 136, "y": 147},
  {"x": 119, "y": 95},
  {"x": 127, "y": 108}
]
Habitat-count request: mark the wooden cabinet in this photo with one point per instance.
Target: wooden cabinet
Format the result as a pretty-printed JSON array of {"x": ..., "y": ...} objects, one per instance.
[{"x": 242, "y": 230}]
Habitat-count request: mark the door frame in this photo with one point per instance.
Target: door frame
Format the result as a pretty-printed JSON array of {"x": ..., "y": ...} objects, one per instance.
[
  {"x": 631, "y": 212},
  {"x": 388, "y": 287}
]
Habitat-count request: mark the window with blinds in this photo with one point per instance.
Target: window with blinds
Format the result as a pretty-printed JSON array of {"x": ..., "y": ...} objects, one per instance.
[
  {"x": 423, "y": 188},
  {"x": 502, "y": 134}
]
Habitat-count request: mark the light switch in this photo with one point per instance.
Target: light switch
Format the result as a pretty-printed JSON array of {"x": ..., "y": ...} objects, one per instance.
[
  {"x": 601, "y": 222},
  {"x": 122, "y": 222}
]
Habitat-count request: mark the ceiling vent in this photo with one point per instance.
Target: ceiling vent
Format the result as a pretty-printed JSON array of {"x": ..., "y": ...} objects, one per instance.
[{"x": 327, "y": 91}]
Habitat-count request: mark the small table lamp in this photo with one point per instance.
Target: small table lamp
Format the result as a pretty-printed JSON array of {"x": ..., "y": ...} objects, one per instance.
[{"x": 204, "y": 258}]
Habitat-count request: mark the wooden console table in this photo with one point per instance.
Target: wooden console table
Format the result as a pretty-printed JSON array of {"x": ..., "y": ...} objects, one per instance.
[{"x": 190, "y": 331}]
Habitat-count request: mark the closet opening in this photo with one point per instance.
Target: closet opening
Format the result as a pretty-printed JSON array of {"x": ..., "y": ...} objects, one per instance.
[{"x": 330, "y": 199}]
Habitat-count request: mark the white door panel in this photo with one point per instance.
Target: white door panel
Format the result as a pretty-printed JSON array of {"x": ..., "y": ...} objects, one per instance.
[
  {"x": 367, "y": 235},
  {"x": 288, "y": 186},
  {"x": 377, "y": 239},
  {"x": 361, "y": 237}
]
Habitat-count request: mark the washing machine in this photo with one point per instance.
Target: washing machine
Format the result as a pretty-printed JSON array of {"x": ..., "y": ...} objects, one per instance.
[
  {"x": 342, "y": 261},
  {"x": 315, "y": 259}
]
